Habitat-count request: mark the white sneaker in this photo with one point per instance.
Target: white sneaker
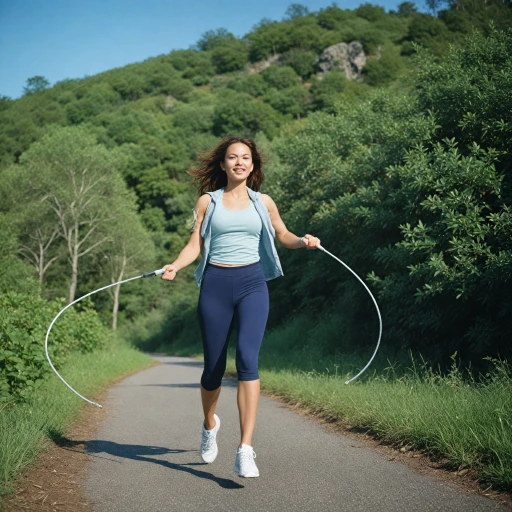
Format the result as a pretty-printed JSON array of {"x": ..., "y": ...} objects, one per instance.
[
  {"x": 244, "y": 462},
  {"x": 209, "y": 448}
]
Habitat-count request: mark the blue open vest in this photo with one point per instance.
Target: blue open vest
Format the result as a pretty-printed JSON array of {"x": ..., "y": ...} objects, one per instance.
[{"x": 269, "y": 259}]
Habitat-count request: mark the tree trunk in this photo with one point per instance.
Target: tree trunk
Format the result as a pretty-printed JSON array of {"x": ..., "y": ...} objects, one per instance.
[
  {"x": 74, "y": 266},
  {"x": 115, "y": 309},
  {"x": 74, "y": 277},
  {"x": 41, "y": 263}
]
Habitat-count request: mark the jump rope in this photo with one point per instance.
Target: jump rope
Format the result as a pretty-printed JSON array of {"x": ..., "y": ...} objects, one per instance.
[{"x": 160, "y": 272}]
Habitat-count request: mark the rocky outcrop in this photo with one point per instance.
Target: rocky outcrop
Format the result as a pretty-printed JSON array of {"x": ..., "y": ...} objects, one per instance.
[
  {"x": 347, "y": 58},
  {"x": 258, "y": 67}
]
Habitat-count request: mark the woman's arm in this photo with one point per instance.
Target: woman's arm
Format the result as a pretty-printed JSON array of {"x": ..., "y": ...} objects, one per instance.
[
  {"x": 285, "y": 237},
  {"x": 193, "y": 248}
]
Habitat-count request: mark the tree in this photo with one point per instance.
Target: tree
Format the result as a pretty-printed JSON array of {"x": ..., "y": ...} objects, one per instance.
[
  {"x": 428, "y": 32},
  {"x": 15, "y": 274},
  {"x": 32, "y": 221},
  {"x": 230, "y": 56},
  {"x": 213, "y": 38},
  {"x": 253, "y": 84},
  {"x": 280, "y": 77},
  {"x": 434, "y": 5},
  {"x": 385, "y": 69},
  {"x": 301, "y": 61},
  {"x": 292, "y": 100},
  {"x": 78, "y": 180},
  {"x": 35, "y": 84},
  {"x": 242, "y": 114},
  {"x": 129, "y": 249},
  {"x": 269, "y": 39},
  {"x": 38, "y": 238},
  {"x": 296, "y": 11},
  {"x": 370, "y": 12},
  {"x": 327, "y": 90},
  {"x": 406, "y": 9}
]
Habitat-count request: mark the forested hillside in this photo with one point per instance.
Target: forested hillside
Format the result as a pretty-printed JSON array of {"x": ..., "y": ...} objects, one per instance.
[{"x": 393, "y": 148}]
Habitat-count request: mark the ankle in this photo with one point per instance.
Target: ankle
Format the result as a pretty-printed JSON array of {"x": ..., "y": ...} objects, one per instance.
[{"x": 209, "y": 423}]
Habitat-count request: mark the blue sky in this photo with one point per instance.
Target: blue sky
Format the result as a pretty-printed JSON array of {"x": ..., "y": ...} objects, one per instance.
[{"x": 61, "y": 39}]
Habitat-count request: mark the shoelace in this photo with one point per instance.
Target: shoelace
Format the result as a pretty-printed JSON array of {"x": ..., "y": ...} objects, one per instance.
[
  {"x": 247, "y": 456},
  {"x": 208, "y": 440}
]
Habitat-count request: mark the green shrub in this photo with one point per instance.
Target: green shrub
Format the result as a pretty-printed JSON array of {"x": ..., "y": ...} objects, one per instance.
[
  {"x": 301, "y": 61},
  {"x": 269, "y": 38},
  {"x": 327, "y": 90},
  {"x": 24, "y": 320},
  {"x": 230, "y": 56},
  {"x": 242, "y": 114},
  {"x": 384, "y": 70},
  {"x": 370, "y": 12},
  {"x": 280, "y": 77},
  {"x": 291, "y": 101},
  {"x": 253, "y": 84},
  {"x": 428, "y": 32}
]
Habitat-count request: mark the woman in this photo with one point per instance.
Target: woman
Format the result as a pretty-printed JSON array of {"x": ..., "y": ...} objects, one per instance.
[{"x": 234, "y": 229}]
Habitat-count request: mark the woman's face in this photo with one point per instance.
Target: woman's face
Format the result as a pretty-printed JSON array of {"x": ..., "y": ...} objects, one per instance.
[{"x": 237, "y": 162}]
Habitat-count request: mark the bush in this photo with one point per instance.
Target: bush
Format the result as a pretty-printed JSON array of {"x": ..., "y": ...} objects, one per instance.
[
  {"x": 230, "y": 56},
  {"x": 242, "y": 114},
  {"x": 100, "y": 98},
  {"x": 385, "y": 69},
  {"x": 327, "y": 90},
  {"x": 370, "y": 12},
  {"x": 269, "y": 39},
  {"x": 214, "y": 38},
  {"x": 24, "y": 320},
  {"x": 280, "y": 77},
  {"x": 428, "y": 32},
  {"x": 469, "y": 92},
  {"x": 301, "y": 61},
  {"x": 371, "y": 39},
  {"x": 414, "y": 190},
  {"x": 292, "y": 101},
  {"x": 253, "y": 84}
]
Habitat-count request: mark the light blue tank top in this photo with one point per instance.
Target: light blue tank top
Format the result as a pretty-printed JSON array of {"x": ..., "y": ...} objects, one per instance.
[
  {"x": 269, "y": 259},
  {"x": 235, "y": 235}
]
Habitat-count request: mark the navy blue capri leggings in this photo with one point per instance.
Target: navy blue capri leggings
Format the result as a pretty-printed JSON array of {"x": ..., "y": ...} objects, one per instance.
[{"x": 228, "y": 294}]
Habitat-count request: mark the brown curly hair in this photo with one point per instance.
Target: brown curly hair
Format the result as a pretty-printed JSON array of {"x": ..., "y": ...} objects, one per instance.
[{"x": 209, "y": 174}]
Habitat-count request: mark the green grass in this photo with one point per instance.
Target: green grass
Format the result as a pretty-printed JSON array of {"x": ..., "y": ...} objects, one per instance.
[
  {"x": 466, "y": 424},
  {"x": 25, "y": 429},
  {"x": 451, "y": 416}
]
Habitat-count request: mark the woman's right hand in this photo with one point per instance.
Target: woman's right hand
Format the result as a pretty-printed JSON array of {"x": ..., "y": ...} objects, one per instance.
[{"x": 170, "y": 272}]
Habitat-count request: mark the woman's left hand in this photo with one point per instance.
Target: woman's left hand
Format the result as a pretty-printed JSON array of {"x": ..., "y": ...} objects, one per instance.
[{"x": 310, "y": 241}]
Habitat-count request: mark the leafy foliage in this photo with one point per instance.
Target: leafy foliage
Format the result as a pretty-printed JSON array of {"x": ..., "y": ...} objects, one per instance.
[
  {"x": 35, "y": 84},
  {"x": 24, "y": 320},
  {"x": 242, "y": 114},
  {"x": 418, "y": 202}
]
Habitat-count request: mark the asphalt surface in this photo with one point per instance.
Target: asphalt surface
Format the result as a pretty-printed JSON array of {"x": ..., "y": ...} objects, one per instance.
[{"x": 145, "y": 458}]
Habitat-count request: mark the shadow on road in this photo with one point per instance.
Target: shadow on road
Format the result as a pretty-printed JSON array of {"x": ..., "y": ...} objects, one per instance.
[
  {"x": 227, "y": 383},
  {"x": 142, "y": 453},
  {"x": 198, "y": 364}
]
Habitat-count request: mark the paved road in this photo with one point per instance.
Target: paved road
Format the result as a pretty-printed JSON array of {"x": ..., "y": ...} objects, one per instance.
[{"x": 145, "y": 458}]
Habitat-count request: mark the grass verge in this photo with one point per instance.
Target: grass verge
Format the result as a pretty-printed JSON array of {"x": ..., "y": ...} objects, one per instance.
[{"x": 25, "y": 428}]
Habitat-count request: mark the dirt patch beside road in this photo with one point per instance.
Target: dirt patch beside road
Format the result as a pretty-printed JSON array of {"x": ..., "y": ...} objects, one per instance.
[{"x": 55, "y": 482}]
